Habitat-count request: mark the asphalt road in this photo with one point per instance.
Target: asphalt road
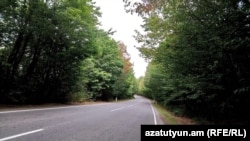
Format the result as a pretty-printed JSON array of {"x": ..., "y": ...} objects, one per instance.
[{"x": 118, "y": 121}]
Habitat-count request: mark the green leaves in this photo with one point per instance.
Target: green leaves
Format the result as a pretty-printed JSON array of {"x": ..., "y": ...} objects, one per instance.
[
  {"x": 45, "y": 45},
  {"x": 53, "y": 52},
  {"x": 108, "y": 73},
  {"x": 200, "y": 49}
]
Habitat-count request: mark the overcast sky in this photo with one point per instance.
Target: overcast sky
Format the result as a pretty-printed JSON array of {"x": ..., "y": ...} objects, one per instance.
[{"x": 115, "y": 17}]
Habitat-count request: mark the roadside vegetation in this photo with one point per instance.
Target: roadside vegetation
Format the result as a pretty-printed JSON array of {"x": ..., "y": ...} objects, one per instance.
[
  {"x": 55, "y": 52},
  {"x": 198, "y": 54},
  {"x": 169, "y": 117}
]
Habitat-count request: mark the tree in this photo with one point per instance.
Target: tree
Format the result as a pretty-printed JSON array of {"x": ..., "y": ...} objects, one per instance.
[
  {"x": 43, "y": 44},
  {"x": 125, "y": 87},
  {"x": 201, "y": 48},
  {"x": 53, "y": 51}
]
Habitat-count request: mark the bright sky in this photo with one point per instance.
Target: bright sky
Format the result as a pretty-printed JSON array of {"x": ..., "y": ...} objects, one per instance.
[{"x": 114, "y": 16}]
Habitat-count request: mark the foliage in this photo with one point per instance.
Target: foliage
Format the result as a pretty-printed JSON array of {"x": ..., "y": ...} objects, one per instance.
[
  {"x": 126, "y": 85},
  {"x": 53, "y": 51},
  {"x": 201, "y": 52}
]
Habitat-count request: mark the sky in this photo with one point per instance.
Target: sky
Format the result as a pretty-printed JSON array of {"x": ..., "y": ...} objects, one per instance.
[{"x": 114, "y": 16}]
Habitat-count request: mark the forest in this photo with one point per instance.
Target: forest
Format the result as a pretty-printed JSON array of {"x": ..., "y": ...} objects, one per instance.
[
  {"x": 198, "y": 53},
  {"x": 199, "y": 57},
  {"x": 54, "y": 51}
]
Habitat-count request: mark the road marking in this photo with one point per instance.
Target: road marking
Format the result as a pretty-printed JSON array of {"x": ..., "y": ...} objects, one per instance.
[
  {"x": 131, "y": 105},
  {"x": 116, "y": 109},
  {"x": 155, "y": 122},
  {"x": 43, "y": 109},
  {"x": 19, "y": 135}
]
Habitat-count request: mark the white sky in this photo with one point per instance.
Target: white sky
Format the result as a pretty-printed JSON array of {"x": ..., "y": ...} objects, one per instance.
[{"x": 114, "y": 16}]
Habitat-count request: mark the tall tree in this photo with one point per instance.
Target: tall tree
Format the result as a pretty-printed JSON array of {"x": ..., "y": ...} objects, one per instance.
[
  {"x": 125, "y": 87},
  {"x": 203, "y": 48},
  {"x": 42, "y": 44}
]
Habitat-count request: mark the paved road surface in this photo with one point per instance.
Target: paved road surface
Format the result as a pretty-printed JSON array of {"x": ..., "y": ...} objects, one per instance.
[{"x": 99, "y": 122}]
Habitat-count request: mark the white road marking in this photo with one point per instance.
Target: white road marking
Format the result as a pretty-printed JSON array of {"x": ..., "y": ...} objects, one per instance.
[
  {"x": 116, "y": 109},
  {"x": 19, "y": 135},
  {"x": 155, "y": 122},
  {"x": 43, "y": 109},
  {"x": 131, "y": 105}
]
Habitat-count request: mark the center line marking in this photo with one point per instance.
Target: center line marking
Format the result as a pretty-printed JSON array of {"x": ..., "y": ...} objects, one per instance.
[
  {"x": 117, "y": 109},
  {"x": 19, "y": 135}
]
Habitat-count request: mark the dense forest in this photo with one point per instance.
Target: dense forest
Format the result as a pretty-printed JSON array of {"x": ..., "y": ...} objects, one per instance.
[
  {"x": 54, "y": 51},
  {"x": 199, "y": 57},
  {"x": 198, "y": 53}
]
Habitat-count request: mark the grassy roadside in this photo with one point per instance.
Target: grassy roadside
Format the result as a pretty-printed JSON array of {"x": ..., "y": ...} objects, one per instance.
[{"x": 169, "y": 118}]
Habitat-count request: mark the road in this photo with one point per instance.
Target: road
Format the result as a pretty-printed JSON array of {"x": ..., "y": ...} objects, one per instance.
[{"x": 116, "y": 121}]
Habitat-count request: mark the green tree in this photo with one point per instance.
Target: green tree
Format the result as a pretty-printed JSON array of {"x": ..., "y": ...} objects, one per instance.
[
  {"x": 42, "y": 45},
  {"x": 103, "y": 69},
  {"x": 126, "y": 85},
  {"x": 140, "y": 84},
  {"x": 202, "y": 48}
]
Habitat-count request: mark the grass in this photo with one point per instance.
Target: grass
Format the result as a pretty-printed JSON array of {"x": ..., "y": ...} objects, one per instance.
[{"x": 169, "y": 118}]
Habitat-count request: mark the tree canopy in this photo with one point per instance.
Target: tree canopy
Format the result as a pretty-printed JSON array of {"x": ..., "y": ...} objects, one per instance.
[
  {"x": 199, "y": 56},
  {"x": 53, "y": 51}
]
